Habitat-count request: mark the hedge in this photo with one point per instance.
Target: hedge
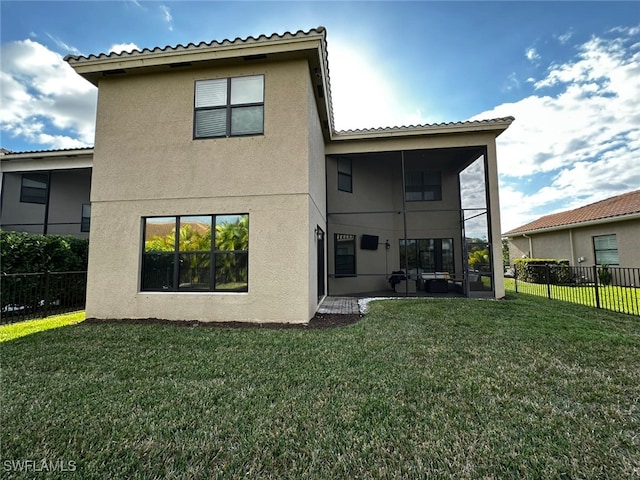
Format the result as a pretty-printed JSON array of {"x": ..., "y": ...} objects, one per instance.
[
  {"x": 530, "y": 270},
  {"x": 28, "y": 253}
]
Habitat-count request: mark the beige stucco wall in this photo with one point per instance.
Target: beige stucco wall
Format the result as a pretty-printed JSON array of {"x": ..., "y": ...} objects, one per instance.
[
  {"x": 146, "y": 163},
  {"x": 578, "y": 242},
  {"x": 317, "y": 201}
]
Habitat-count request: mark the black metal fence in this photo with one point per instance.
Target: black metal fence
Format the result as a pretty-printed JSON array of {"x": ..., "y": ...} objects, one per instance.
[
  {"x": 36, "y": 295},
  {"x": 606, "y": 287}
]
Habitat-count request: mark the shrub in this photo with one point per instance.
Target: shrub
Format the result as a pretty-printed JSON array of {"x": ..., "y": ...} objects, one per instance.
[
  {"x": 534, "y": 270},
  {"x": 28, "y": 253},
  {"x": 604, "y": 275}
]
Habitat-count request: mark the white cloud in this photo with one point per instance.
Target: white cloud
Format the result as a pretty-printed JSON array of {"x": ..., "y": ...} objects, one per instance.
[
  {"x": 43, "y": 100},
  {"x": 532, "y": 54},
  {"x": 123, "y": 47},
  {"x": 584, "y": 136},
  {"x": 167, "y": 16},
  {"x": 62, "y": 45},
  {"x": 363, "y": 95}
]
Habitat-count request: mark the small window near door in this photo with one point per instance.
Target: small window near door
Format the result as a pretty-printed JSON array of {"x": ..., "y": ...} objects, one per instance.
[
  {"x": 345, "y": 255},
  {"x": 34, "y": 188},
  {"x": 606, "y": 250}
]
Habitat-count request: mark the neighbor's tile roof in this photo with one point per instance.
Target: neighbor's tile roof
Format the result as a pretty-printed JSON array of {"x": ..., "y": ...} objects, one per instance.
[{"x": 625, "y": 204}]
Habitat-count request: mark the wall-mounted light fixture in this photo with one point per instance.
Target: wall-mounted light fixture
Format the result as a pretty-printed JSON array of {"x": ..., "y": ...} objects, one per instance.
[
  {"x": 387, "y": 245},
  {"x": 319, "y": 234},
  {"x": 580, "y": 259}
]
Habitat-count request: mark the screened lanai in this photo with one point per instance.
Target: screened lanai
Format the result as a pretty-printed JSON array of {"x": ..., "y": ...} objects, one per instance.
[{"x": 410, "y": 222}]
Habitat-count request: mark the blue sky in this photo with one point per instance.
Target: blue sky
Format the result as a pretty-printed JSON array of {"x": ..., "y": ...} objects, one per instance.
[{"x": 569, "y": 72}]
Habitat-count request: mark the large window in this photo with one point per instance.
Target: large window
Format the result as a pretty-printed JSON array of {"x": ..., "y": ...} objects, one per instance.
[
  {"x": 345, "y": 258},
  {"x": 345, "y": 181},
  {"x": 423, "y": 186},
  {"x": 228, "y": 107},
  {"x": 427, "y": 255},
  {"x": 606, "y": 250},
  {"x": 34, "y": 188},
  {"x": 209, "y": 253}
]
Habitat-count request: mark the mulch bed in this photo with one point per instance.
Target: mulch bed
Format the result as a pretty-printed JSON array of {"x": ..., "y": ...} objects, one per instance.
[{"x": 319, "y": 321}]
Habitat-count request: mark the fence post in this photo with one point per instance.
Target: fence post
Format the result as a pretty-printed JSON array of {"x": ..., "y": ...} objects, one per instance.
[
  {"x": 548, "y": 280},
  {"x": 515, "y": 277},
  {"x": 46, "y": 293},
  {"x": 595, "y": 285}
]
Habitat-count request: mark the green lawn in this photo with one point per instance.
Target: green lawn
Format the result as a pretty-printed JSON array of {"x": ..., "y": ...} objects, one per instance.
[
  {"x": 436, "y": 388},
  {"x": 616, "y": 298},
  {"x": 20, "y": 329}
]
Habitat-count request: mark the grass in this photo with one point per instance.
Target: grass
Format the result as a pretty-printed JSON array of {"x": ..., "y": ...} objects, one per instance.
[
  {"x": 20, "y": 329},
  {"x": 616, "y": 298},
  {"x": 437, "y": 388}
]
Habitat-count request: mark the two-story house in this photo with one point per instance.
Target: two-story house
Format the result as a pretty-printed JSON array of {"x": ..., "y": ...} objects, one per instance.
[{"x": 221, "y": 191}]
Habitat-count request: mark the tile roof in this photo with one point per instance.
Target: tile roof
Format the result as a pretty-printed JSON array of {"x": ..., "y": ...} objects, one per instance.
[
  {"x": 50, "y": 151},
  {"x": 469, "y": 123},
  {"x": 621, "y": 205},
  {"x": 202, "y": 45}
]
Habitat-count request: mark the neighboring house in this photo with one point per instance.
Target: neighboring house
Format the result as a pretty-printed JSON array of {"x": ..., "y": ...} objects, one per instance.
[
  {"x": 604, "y": 232},
  {"x": 231, "y": 145},
  {"x": 46, "y": 192}
]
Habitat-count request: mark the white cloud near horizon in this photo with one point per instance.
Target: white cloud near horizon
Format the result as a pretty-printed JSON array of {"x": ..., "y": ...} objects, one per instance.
[
  {"x": 43, "y": 100},
  {"x": 585, "y": 135},
  {"x": 123, "y": 47}
]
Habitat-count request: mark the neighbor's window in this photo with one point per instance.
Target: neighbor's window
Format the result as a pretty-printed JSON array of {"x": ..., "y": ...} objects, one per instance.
[
  {"x": 606, "y": 250},
  {"x": 229, "y": 107},
  {"x": 427, "y": 255},
  {"x": 209, "y": 253},
  {"x": 34, "y": 188},
  {"x": 423, "y": 186},
  {"x": 345, "y": 254},
  {"x": 85, "y": 223},
  {"x": 345, "y": 181}
]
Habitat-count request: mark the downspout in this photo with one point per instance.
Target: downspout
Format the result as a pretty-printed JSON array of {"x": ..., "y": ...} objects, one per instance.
[
  {"x": 524, "y": 235},
  {"x": 573, "y": 258}
]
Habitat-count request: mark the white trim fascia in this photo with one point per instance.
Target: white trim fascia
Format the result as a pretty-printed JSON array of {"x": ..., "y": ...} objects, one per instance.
[
  {"x": 42, "y": 161},
  {"x": 470, "y": 127}
]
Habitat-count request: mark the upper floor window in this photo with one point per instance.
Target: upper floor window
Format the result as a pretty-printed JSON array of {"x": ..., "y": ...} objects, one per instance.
[
  {"x": 208, "y": 253},
  {"x": 34, "y": 188},
  {"x": 423, "y": 186},
  {"x": 606, "y": 250},
  {"x": 345, "y": 179},
  {"x": 229, "y": 107}
]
